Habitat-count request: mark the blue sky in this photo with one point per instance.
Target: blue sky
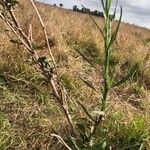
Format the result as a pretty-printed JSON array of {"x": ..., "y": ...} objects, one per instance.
[{"x": 134, "y": 11}]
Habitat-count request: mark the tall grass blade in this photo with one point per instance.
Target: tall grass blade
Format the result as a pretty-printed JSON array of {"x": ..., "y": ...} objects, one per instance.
[
  {"x": 103, "y": 6},
  {"x": 132, "y": 72},
  {"x": 89, "y": 84},
  {"x": 74, "y": 143},
  {"x": 114, "y": 14},
  {"x": 102, "y": 2},
  {"x": 114, "y": 35},
  {"x": 86, "y": 59},
  {"x": 94, "y": 22},
  {"x": 86, "y": 111}
]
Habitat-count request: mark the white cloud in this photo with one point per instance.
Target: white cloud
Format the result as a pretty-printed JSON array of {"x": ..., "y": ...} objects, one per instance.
[
  {"x": 135, "y": 11},
  {"x": 135, "y": 3}
]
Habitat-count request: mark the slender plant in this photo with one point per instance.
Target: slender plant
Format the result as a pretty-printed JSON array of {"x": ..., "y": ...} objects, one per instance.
[
  {"x": 109, "y": 83},
  {"x": 49, "y": 70}
]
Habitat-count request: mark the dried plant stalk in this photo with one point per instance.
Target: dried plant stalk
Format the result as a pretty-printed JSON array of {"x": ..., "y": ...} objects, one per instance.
[{"x": 59, "y": 92}]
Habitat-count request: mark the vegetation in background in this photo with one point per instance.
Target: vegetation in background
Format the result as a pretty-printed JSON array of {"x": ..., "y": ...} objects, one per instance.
[{"x": 31, "y": 114}]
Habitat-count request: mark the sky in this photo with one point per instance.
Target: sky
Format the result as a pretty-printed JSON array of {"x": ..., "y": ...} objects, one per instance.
[{"x": 134, "y": 11}]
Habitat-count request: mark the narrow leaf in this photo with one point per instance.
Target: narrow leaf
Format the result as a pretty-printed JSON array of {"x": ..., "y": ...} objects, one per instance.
[
  {"x": 86, "y": 112},
  {"x": 42, "y": 59},
  {"x": 104, "y": 13},
  {"x": 86, "y": 59},
  {"x": 114, "y": 35},
  {"x": 132, "y": 71},
  {"x": 97, "y": 25},
  {"x": 16, "y": 41},
  {"x": 82, "y": 130},
  {"x": 100, "y": 146},
  {"x": 117, "y": 28},
  {"x": 36, "y": 46},
  {"x": 81, "y": 127},
  {"x": 73, "y": 140},
  {"x": 106, "y": 5},
  {"x": 94, "y": 22},
  {"x": 114, "y": 14},
  {"x": 89, "y": 84},
  {"x": 102, "y": 2}
]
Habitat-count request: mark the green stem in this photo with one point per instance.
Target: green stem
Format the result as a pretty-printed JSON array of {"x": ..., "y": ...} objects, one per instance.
[{"x": 107, "y": 39}]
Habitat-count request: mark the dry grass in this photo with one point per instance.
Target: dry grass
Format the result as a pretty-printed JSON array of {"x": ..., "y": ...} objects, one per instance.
[{"x": 26, "y": 105}]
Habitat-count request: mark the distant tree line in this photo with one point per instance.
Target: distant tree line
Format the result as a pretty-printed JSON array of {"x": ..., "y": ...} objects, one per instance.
[{"x": 87, "y": 10}]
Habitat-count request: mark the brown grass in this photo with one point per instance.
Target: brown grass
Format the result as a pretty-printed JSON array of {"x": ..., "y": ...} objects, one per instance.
[{"x": 25, "y": 99}]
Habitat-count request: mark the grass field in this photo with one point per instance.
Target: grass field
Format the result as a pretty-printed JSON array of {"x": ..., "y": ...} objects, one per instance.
[{"x": 28, "y": 112}]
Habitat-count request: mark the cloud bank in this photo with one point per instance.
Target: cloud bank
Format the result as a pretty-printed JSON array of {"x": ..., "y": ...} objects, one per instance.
[{"x": 134, "y": 11}]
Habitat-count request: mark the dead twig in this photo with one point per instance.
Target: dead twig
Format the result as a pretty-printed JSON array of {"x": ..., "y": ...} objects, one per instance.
[{"x": 49, "y": 71}]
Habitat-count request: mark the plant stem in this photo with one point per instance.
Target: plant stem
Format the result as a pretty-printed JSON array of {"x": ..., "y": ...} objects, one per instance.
[{"x": 107, "y": 40}]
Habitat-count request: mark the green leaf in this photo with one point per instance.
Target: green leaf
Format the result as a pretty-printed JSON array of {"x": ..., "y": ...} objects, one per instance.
[
  {"x": 81, "y": 127},
  {"x": 114, "y": 14},
  {"x": 9, "y": 4},
  {"x": 95, "y": 23},
  {"x": 36, "y": 46},
  {"x": 102, "y": 2},
  {"x": 83, "y": 133},
  {"x": 16, "y": 41},
  {"x": 42, "y": 59},
  {"x": 114, "y": 35},
  {"x": 86, "y": 111},
  {"x": 107, "y": 8},
  {"x": 89, "y": 84},
  {"x": 104, "y": 12},
  {"x": 131, "y": 72},
  {"x": 106, "y": 5},
  {"x": 86, "y": 59},
  {"x": 100, "y": 146},
  {"x": 74, "y": 143}
]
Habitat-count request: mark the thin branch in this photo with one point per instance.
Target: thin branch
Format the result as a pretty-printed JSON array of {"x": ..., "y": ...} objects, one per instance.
[
  {"x": 61, "y": 140},
  {"x": 59, "y": 92},
  {"x": 23, "y": 35},
  {"x": 45, "y": 33},
  {"x": 27, "y": 40},
  {"x": 14, "y": 31}
]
